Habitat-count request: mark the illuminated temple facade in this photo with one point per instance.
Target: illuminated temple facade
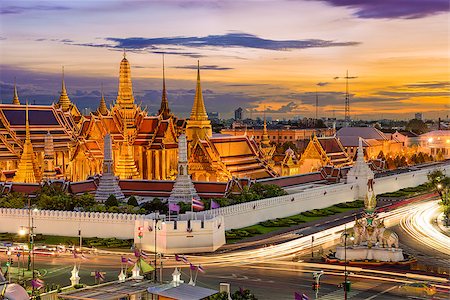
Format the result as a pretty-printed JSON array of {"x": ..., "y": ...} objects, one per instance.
[{"x": 61, "y": 143}]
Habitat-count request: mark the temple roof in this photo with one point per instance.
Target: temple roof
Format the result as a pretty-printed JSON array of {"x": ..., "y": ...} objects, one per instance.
[
  {"x": 364, "y": 132},
  {"x": 329, "y": 149},
  {"x": 42, "y": 119},
  {"x": 238, "y": 154},
  {"x": 287, "y": 181},
  {"x": 151, "y": 131}
]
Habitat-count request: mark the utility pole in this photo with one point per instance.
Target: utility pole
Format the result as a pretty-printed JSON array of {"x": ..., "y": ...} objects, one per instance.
[
  {"x": 347, "y": 102},
  {"x": 317, "y": 106}
]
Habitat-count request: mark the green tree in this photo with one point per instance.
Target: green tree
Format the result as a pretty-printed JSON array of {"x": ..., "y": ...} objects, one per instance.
[
  {"x": 111, "y": 201},
  {"x": 417, "y": 126},
  {"x": 85, "y": 201},
  {"x": 13, "y": 200},
  {"x": 132, "y": 201},
  {"x": 156, "y": 205}
]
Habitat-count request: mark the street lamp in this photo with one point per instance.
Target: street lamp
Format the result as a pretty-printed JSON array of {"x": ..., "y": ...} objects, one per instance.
[
  {"x": 22, "y": 232},
  {"x": 346, "y": 282}
]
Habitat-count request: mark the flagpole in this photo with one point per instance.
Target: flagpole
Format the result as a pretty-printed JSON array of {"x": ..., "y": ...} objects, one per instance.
[{"x": 196, "y": 274}]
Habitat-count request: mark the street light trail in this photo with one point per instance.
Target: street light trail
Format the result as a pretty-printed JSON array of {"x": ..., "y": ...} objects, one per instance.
[{"x": 419, "y": 226}]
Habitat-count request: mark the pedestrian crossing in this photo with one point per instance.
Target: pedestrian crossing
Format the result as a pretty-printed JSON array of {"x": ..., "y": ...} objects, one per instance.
[{"x": 339, "y": 294}]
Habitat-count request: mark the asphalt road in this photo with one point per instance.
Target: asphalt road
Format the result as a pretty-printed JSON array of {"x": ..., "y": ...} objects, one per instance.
[
  {"x": 265, "y": 282},
  {"x": 277, "y": 278}
]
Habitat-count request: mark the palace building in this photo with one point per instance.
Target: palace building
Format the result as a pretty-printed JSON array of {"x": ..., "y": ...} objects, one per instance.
[{"x": 57, "y": 142}]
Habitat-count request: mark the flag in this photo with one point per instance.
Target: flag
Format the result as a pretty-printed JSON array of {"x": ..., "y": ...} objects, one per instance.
[
  {"x": 177, "y": 257},
  {"x": 200, "y": 268},
  {"x": 214, "y": 204},
  {"x": 192, "y": 267},
  {"x": 137, "y": 253},
  {"x": 144, "y": 255},
  {"x": 99, "y": 275},
  {"x": 123, "y": 260},
  {"x": 37, "y": 283},
  {"x": 174, "y": 207},
  {"x": 197, "y": 204},
  {"x": 185, "y": 260},
  {"x": 298, "y": 296}
]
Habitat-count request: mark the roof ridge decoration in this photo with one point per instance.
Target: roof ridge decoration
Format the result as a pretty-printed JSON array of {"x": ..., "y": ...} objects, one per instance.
[
  {"x": 64, "y": 101},
  {"x": 102, "y": 108},
  {"x": 16, "y": 100}
]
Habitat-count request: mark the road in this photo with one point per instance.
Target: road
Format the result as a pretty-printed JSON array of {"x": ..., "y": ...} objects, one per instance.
[{"x": 269, "y": 271}]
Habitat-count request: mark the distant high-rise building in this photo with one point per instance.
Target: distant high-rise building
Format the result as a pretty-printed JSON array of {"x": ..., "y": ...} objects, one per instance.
[
  {"x": 238, "y": 114},
  {"x": 213, "y": 116},
  {"x": 418, "y": 116}
]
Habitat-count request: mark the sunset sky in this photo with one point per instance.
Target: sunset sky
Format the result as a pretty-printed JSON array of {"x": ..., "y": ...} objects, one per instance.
[{"x": 254, "y": 54}]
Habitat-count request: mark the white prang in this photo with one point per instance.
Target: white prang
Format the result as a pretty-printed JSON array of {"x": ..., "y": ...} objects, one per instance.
[
  {"x": 360, "y": 173},
  {"x": 183, "y": 189},
  {"x": 108, "y": 184}
]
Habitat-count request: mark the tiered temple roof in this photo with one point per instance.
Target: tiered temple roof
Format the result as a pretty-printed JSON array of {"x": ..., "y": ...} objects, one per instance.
[
  {"x": 235, "y": 156},
  {"x": 328, "y": 150},
  {"x": 42, "y": 119}
]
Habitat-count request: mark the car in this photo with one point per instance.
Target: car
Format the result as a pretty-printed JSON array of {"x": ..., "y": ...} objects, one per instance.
[{"x": 418, "y": 288}]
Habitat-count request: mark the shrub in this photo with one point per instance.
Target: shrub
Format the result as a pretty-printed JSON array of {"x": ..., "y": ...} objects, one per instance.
[
  {"x": 111, "y": 201},
  {"x": 132, "y": 201}
]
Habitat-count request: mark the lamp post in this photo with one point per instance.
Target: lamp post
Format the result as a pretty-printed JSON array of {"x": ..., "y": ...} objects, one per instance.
[
  {"x": 22, "y": 232},
  {"x": 156, "y": 254},
  {"x": 346, "y": 282},
  {"x": 8, "y": 264}
]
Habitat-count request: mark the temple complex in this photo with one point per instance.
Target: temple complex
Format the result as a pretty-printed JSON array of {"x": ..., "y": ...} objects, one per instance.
[{"x": 70, "y": 146}]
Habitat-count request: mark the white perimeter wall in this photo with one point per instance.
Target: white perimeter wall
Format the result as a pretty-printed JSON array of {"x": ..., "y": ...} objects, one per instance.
[
  {"x": 250, "y": 213},
  {"x": 67, "y": 223},
  {"x": 211, "y": 236}
]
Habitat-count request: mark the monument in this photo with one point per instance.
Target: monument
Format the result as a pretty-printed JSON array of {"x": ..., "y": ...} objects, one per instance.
[
  {"x": 108, "y": 184},
  {"x": 183, "y": 189},
  {"x": 368, "y": 239}
]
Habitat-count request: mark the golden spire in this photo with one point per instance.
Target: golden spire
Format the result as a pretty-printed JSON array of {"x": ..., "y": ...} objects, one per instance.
[
  {"x": 198, "y": 109},
  {"x": 64, "y": 101},
  {"x": 16, "y": 95},
  {"x": 27, "y": 125},
  {"x": 164, "y": 110},
  {"x": 102, "y": 109},
  {"x": 26, "y": 171},
  {"x": 125, "y": 97}
]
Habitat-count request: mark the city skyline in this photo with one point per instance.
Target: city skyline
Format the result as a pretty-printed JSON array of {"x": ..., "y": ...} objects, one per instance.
[{"x": 398, "y": 55}]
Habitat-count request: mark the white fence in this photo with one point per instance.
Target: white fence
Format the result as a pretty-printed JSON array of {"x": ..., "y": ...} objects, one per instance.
[
  {"x": 67, "y": 223},
  {"x": 250, "y": 213}
]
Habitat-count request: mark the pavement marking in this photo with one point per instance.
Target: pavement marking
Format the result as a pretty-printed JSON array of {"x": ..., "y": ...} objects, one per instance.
[
  {"x": 381, "y": 293},
  {"x": 339, "y": 294}
]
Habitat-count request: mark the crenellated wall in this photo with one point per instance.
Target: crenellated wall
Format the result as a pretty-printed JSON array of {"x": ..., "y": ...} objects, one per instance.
[
  {"x": 206, "y": 231},
  {"x": 67, "y": 223},
  {"x": 250, "y": 213},
  {"x": 181, "y": 236}
]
